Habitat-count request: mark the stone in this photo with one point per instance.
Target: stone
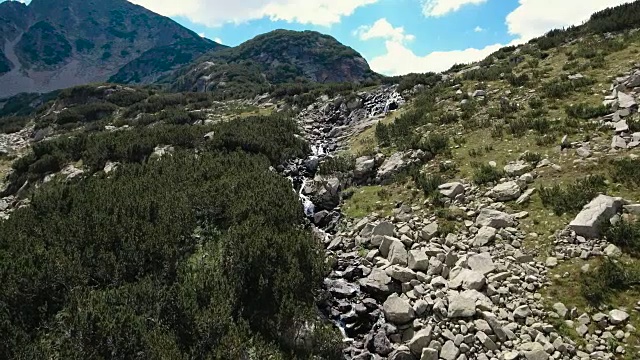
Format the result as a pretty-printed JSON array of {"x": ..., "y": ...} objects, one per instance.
[
  {"x": 618, "y": 316},
  {"x": 618, "y": 142},
  {"x": 517, "y": 169},
  {"x": 461, "y": 306},
  {"x": 418, "y": 260},
  {"x": 381, "y": 344},
  {"x": 397, "y": 254},
  {"x": 505, "y": 192},
  {"x": 391, "y": 166},
  {"x": 589, "y": 220},
  {"x": 340, "y": 288},
  {"x": 429, "y": 231},
  {"x": 583, "y": 152},
  {"x": 420, "y": 341},
  {"x": 481, "y": 263},
  {"x": 384, "y": 228},
  {"x": 397, "y": 310},
  {"x": 551, "y": 262},
  {"x": 626, "y": 101},
  {"x": 612, "y": 251},
  {"x": 469, "y": 280},
  {"x": 493, "y": 321},
  {"x": 429, "y": 354},
  {"x": 479, "y": 93},
  {"x": 526, "y": 196},
  {"x": 365, "y": 167},
  {"x": 400, "y": 273},
  {"x": 449, "y": 351},
  {"x": 485, "y": 235},
  {"x": 522, "y": 312},
  {"x": 495, "y": 219},
  {"x": 486, "y": 341},
  {"x": 632, "y": 209},
  {"x": 377, "y": 282},
  {"x": 561, "y": 310},
  {"x": 534, "y": 351},
  {"x": 451, "y": 190},
  {"x": 582, "y": 329},
  {"x": 621, "y": 126},
  {"x": 326, "y": 192}
]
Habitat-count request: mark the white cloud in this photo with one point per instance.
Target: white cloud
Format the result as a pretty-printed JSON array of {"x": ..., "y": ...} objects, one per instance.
[
  {"x": 384, "y": 30},
  {"x": 218, "y": 40},
  {"x": 478, "y": 29},
  {"x": 400, "y": 60},
  {"x": 218, "y": 12},
  {"x": 533, "y": 18},
  {"x": 201, "y": 35},
  {"x": 530, "y": 19},
  {"x": 437, "y": 8}
]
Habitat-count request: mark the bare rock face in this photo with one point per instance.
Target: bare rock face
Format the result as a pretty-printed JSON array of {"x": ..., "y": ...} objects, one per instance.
[{"x": 589, "y": 220}]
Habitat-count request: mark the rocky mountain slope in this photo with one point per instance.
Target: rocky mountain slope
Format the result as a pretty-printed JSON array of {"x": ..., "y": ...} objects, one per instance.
[
  {"x": 277, "y": 57},
  {"x": 53, "y": 44},
  {"x": 491, "y": 212}
]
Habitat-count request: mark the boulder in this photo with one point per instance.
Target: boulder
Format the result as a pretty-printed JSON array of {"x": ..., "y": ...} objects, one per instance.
[
  {"x": 517, "y": 169},
  {"x": 381, "y": 344},
  {"x": 397, "y": 310},
  {"x": 429, "y": 231},
  {"x": 377, "y": 283},
  {"x": 618, "y": 142},
  {"x": 449, "y": 351},
  {"x": 384, "y": 228},
  {"x": 612, "y": 251},
  {"x": 495, "y": 325},
  {"x": 461, "y": 306},
  {"x": 626, "y": 101},
  {"x": 400, "y": 273},
  {"x": 326, "y": 192},
  {"x": 397, "y": 254},
  {"x": 420, "y": 340},
  {"x": 469, "y": 280},
  {"x": 429, "y": 354},
  {"x": 484, "y": 236},
  {"x": 391, "y": 166},
  {"x": 505, "y": 192},
  {"x": 479, "y": 93},
  {"x": 481, "y": 263},
  {"x": 451, "y": 190},
  {"x": 418, "y": 260},
  {"x": 365, "y": 167},
  {"x": 618, "y": 316},
  {"x": 589, "y": 220},
  {"x": 495, "y": 219}
]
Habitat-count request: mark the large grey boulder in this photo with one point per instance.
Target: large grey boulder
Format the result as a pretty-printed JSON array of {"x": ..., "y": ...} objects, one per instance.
[
  {"x": 449, "y": 351},
  {"x": 418, "y": 260},
  {"x": 484, "y": 236},
  {"x": 420, "y": 340},
  {"x": 468, "y": 280},
  {"x": 618, "y": 316},
  {"x": 626, "y": 101},
  {"x": 505, "y": 192},
  {"x": 397, "y": 254},
  {"x": 481, "y": 263},
  {"x": 378, "y": 283},
  {"x": 589, "y": 220},
  {"x": 365, "y": 167},
  {"x": 384, "y": 228},
  {"x": 451, "y": 190},
  {"x": 461, "y": 305},
  {"x": 397, "y": 310},
  {"x": 326, "y": 192},
  {"x": 391, "y": 166},
  {"x": 517, "y": 169},
  {"x": 495, "y": 219},
  {"x": 429, "y": 231}
]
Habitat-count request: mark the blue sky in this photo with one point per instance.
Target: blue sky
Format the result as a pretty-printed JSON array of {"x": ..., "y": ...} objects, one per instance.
[{"x": 395, "y": 36}]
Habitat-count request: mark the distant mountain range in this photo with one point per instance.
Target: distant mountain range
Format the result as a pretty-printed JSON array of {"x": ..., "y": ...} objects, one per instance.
[{"x": 53, "y": 44}]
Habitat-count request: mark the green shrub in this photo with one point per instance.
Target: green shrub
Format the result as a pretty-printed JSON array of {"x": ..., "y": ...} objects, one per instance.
[
  {"x": 337, "y": 164},
  {"x": 610, "y": 277},
  {"x": 485, "y": 173},
  {"x": 428, "y": 183},
  {"x": 624, "y": 234},
  {"x": 531, "y": 157},
  {"x": 536, "y": 103},
  {"x": 586, "y": 111},
  {"x": 561, "y": 88},
  {"x": 625, "y": 171},
  {"x": 572, "y": 198},
  {"x": 13, "y": 124}
]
